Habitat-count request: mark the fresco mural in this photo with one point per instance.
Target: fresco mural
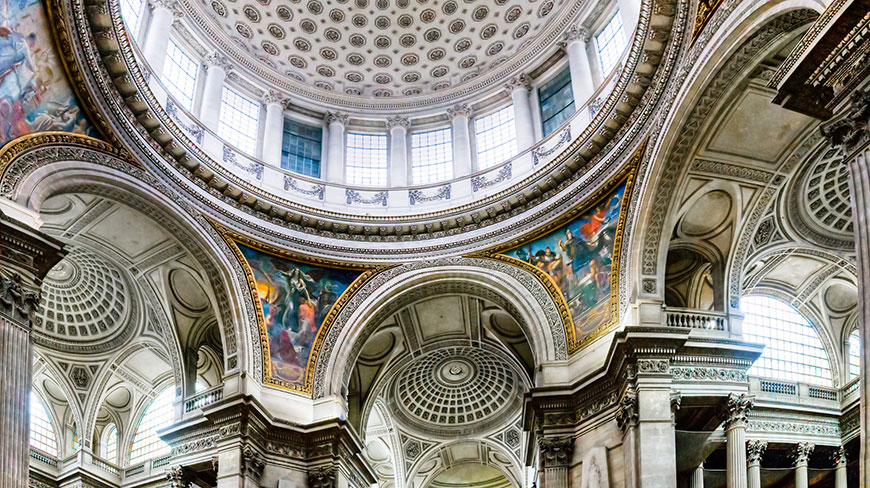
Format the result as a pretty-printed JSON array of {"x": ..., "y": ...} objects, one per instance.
[
  {"x": 295, "y": 298},
  {"x": 578, "y": 257},
  {"x": 35, "y": 95}
]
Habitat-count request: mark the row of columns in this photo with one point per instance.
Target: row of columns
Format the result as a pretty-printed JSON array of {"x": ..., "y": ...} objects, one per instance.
[{"x": 754, "y": 452}]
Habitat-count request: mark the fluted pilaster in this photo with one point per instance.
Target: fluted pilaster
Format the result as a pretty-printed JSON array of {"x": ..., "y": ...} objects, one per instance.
[{"x": 555, "y": 457}]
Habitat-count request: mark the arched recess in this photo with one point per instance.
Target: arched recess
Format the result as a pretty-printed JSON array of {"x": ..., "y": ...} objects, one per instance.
[
  {"x": 742, "y": 34},
  {"x": 464, "y": 453},
  {"x": 58, "y": 397},
  {"x": 34, "y": 168},
  {"x": 505, "y": 284}
]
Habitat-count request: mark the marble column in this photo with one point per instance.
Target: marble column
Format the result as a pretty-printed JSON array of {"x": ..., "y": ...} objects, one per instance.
[
  {"x": 801, "y": 460},
  {"x": 399, "y": 166},
  {"x": 656, "y": 403},
  {"x": 754, "y": 452},
  {"x": 840, "y": 473},
  {"x": 626, "y": 419},
  {"x": 555, "y": 459},
  {"x": 25, "y": 257},
  {"x": 460, "y": 115},
  {"x": 697, "y": 479},
  {"x": 163, "y": 13},
  {"x": 519, "y": 88},
  {"x": 216, "y": 67},
  {"x": 273, "y": 133},
  {"x": 335, "y": 165},
  {"x": 574, "y": 43},
  {"x": 736, "y": 412},
  {"x": 852, "y": 134}
]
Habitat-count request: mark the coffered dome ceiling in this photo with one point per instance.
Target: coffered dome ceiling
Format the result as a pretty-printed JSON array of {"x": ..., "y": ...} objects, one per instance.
[{"x": 387, "y": 48}]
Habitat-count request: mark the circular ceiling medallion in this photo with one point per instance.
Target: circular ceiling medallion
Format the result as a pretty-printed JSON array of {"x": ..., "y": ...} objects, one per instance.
[
  {"x": 457, "y": 389},
  {"x": 398, "y": 28},
  {"x": 85, "y": 300}
]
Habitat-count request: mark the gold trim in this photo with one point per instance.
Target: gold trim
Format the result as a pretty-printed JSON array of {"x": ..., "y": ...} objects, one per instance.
[
  {"x": 624, "y": 176},
  {"x": 232, "y": 239}
]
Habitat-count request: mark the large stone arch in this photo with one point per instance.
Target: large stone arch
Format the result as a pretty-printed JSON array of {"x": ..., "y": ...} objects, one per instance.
[
  {"x": 512, "y": 469},
  {"x": 33, "y": 168},
  {"x": 504, "y": 283},
  {"x": 739, "y": 33}
]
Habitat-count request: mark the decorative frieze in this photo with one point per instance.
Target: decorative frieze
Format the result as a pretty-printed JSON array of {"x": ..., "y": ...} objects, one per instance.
[{"x": 692, "y": 373}]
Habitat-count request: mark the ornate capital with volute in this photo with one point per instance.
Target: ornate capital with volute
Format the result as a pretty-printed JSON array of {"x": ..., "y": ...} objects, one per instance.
[
  {"x": 218, "y": 60},
  {"x": 459, "y": 110},
  {"x": 179, "y": 476},
  {"x": 398, "y": 121},
  {"x": 322, "y": 478},
  {"x": 252, "y": 464},
  {"x": 626, "y": 412},
  {"x": 574, "y": 34},
  {"x": 272, "y": 96},
  {"x": 171, "y": 5},
  {"x": 754, "y": 451},
  {"x": 336, "y": 117},
  {"x": 801, "y": 453},
  {"x": 556, "y": 451},
  {"x": 522, "y": 80},
  {"x": 736, "y": 411},
  {"x": 853, "y": 130},
  {"x": 840, "y": 457}
]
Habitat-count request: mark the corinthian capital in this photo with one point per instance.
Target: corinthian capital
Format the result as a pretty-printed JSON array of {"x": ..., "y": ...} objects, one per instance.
[
  {"x": 556, "y": 451},
  {"x": 736, "y": 410},
  {"x": 459, "y": 110},
  {"x": 520, "y": 81},
  {"x": 801, "y": 453},
  {"x": 274, "y": 97},
  {"x": 172, "y": 5},
  {"x": 854, "y": 129},
  {"x": 840, "y": 457},
  {"x": 336, "y": 117},
  {"x": 398, "y": 121},
  {"x": 218, "y": 60},
  {"x": 322, "y": 478},
  {"x": 754, "y": 451},
  {"x": 252, "y": 464},
  {"x": 574, "y": 34}
]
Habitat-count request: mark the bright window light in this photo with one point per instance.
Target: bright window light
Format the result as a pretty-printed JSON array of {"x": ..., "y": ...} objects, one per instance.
[
  {"x": 854, "y": 355},
  {"x": 42, "y": 435},
  {"x": 146, "y": 443},
  {"x": 792, "y": 348},
  {"x": 131, "y": 12},
  {"x": 496, "y": 137},
  {"x": 366, "y": 159},
  {"x": 239, "y": 120},
  {"x": 179, "y": 75},
  {"x": 611, "y": 42},
  {"x": 431, "y": 156},
  {"x": 109, "y": 447}
]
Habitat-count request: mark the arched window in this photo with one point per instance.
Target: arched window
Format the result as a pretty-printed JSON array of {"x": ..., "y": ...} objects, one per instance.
[
  {"x": 42, "y": 435},
  {"x": 854, "y": 355},
  {"x": 109, "y": 443},
  {"x": 146, "y": 443},
  {"x": 792, "y": 348}
]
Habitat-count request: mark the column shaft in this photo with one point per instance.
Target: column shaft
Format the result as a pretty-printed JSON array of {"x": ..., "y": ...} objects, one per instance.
[
  {"x": 523, "y": 118},
  {"x": 15, "y": 358},
  {"x": 335, "y": 164},
  {"x": 157, "y": 37},
  {"x": 399, "y": 154},
  {"x": 697, "y": 480},
  {"x": 210, "y": 108},
  {"x": 461, "y": 146},
  {"x": 859, "y": 182},
  {"x": 801, "y": 479},
  {"x": 736, "y": 456},
  {"x": 273, "y": 134},
  {"x": 581, "y": 73}
]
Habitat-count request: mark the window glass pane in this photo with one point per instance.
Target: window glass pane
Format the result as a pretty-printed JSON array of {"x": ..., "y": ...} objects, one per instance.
[
  {"x": 366, "y": 159},
  {"x": 238, "y": 120},
  {"x": 792, "y": 349},
  {"x": 496, "y": 138},
  {"x": 42, "y": 434},
  {"x": 179, "y": 75},
  {"x": 557, "y": 101},
  {"x": 854, "y": 354},
  {"x": 146, "y": 443},
  {"x": 611, "y": 42},
  {"x": 131, "y": 12},
  {"x": 431, "y": 156},
  {"x": 110, "y": 444},
  {"x": 301, "y": 148}
]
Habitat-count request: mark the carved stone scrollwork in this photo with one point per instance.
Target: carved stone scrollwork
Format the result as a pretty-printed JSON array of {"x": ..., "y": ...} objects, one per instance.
[
  {"x": 322, "y": 478},
  {"x": 736, "y": 411},
  {"x": 336, "y": 117},
  {"x": 626, "y": 412},
  {"x": 217, "y": 60},
  {"x": 556, "y": 452},
  {"x": 754, "y": 452},
  {"x": 801, "y": 453},
  {"x": 574, "y": 34},
  {"x": 839, "y": 457},
  {"x": 459, "y": 110},
  {"x": 179, "y": 476},
  {"x": 398, "y": 121},
  {"x": 854, "y": 129},
  {"x": 252, "y": 464},
  {"x": 523, "y": 81},
  {"x": 17, "y": 300}
]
